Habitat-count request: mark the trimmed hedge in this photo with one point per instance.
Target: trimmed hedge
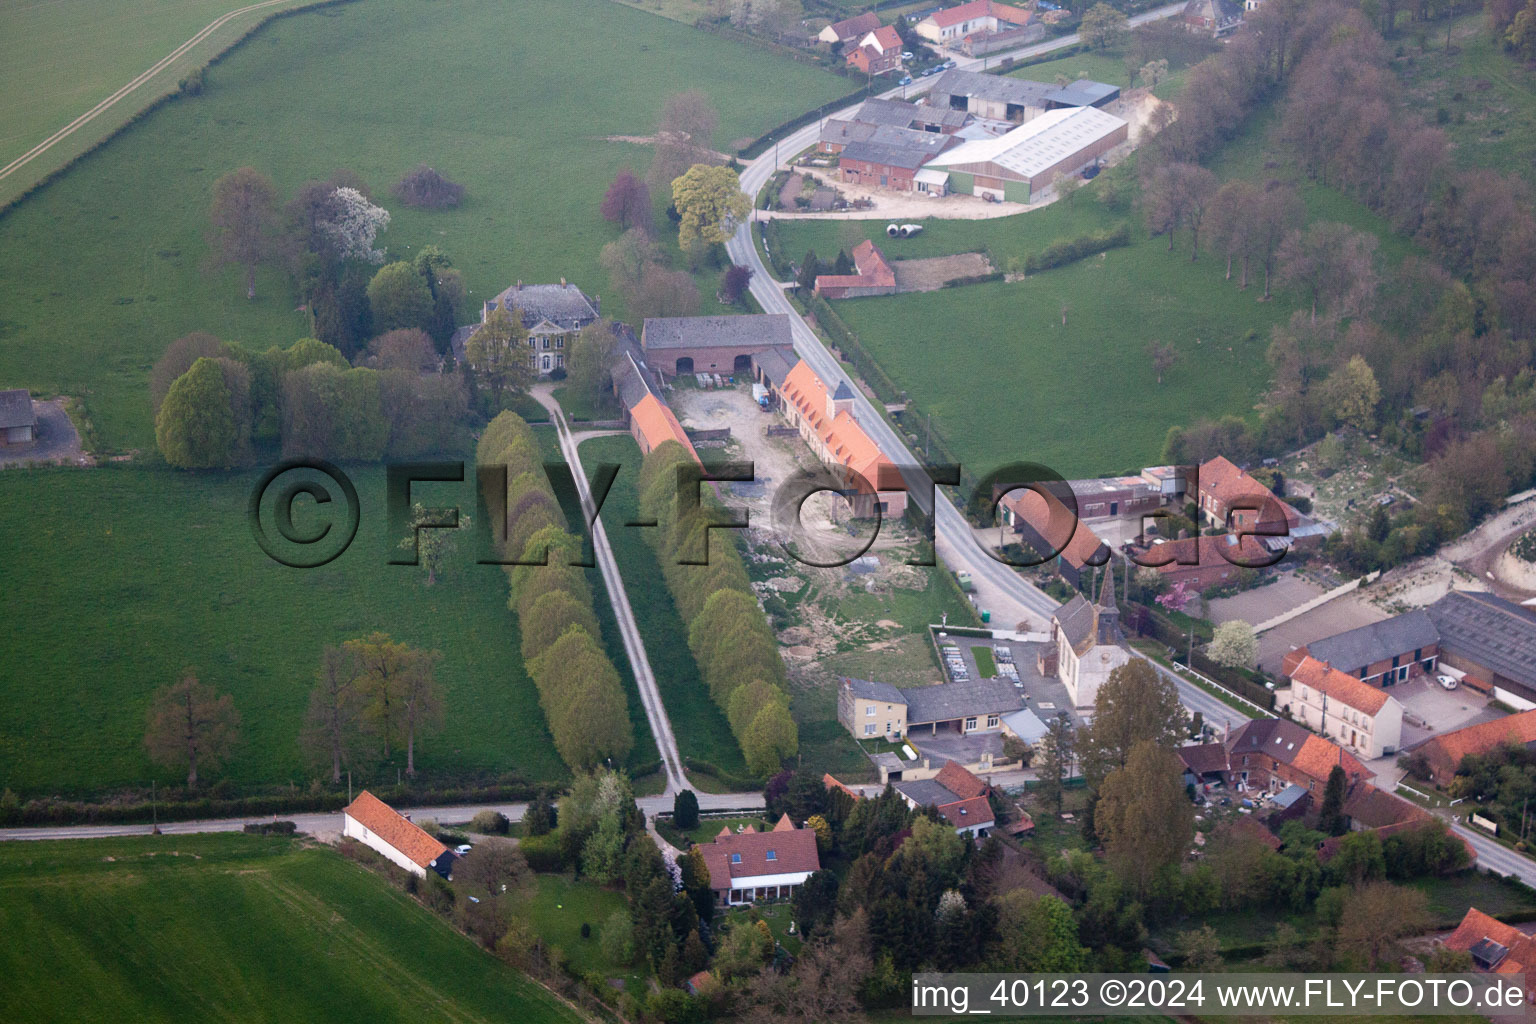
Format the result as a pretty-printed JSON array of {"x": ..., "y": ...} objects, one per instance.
[
  {"x": 957, "y": 282},
  {"x": 1060, "y": 253},
  {"x": 849, "y": 348}
]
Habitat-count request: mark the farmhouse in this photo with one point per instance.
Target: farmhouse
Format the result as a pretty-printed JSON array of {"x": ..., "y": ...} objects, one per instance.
[
  {"x": 1046, "y": 524},
  {"x": 1228, "y": 497},
  {"x": 1206, "y": 562},
  {"x": 683, "y": 345},
  {"x": 1085, "y": 644},
  {"x": 380, "y": 827},
  {"x": 1382, "y": 653},
  {"x": 850, "y": 29},
  {"x": 957, "y": 794},
  {"x": 1496, "y": 947},
  {"x": 891, "y": 157},
  {"x": 1269, "y": 754},
  {"x": 980, "y": 27},
  {"x": 868, "y": 479},
  {"x": 877, "y": 52},
  {"x": 872, "y": 709},
  {"x": 875, "y": 276},
  {"x": 1361, "y": 717},
  {"x": 753, "y": 866},
  {"x": 1211, "y": 17},
  {"x": 1492, "y": 641},
  {"x": 553, "y": 315},
  {"x": 647, "y": 416},
  {"x": 1015, "y": 165},
  {"x": 18, "y": 420},
  {"x": 872, "y": 113},
  {"x": 1445, "y": 752}
]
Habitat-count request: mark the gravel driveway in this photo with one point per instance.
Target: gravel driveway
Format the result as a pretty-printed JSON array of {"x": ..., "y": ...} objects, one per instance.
[{"x": 57, "y": 439}]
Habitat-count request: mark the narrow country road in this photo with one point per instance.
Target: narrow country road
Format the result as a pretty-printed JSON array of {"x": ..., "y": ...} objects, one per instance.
[
  {"x": 634, "y": 643},
  {"x": 132, "y": 86}
]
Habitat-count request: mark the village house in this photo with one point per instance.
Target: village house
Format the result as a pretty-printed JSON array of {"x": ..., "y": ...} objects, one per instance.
[
  {"x": 1126, "y": 497},
  {"x": 874, "y": 276},
  {"x": 1020, "y": 163},
  {"x": 18, "y": 420},
  {"x": 891, "y": 157},
  {"x": 1444, "y": 752},
  {"x": 1214, "y": 18},
  {"x": 1085, "y": 644},
  {"x": 867, "y": 478},
  {"x": 849, "y": 29},
  {"x": 1267, "y": 755},
  {"x": 1361, "y": 717},
  {"x": 1205, "y": 562},
  {"x": 1044, "y": 523},
  {"x": 381, "y": 828},
  {"x": 754, "y": 867},
  {"x": 980, "y": 27},
  {"x": 956, "y": 794},
  {"x": 1495, "y": 947},
  {"x": 1228, "y": 497},
  {"x": 870, "y": 710},
  {"x": 1382, "y": 653},
  {"x": 682, "y": 345},
  {"x": 553, "y": 315},
  {"x": 876, "y": 52}
]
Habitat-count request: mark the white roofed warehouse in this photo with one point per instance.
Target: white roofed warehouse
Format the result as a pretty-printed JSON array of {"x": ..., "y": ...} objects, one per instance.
[{"x": 1015, "y": 165}]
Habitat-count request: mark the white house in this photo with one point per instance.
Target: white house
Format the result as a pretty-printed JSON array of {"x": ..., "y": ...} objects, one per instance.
[
  {"x": 753, "y": 866},
  {"x": 978, "y": 17},
  {"x": 1086, "y": 646},
  {"x": 1352, "y": 713},
  {"x": 380, "y": 827}
]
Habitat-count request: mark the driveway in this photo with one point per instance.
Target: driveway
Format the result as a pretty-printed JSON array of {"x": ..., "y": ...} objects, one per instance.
[
  {"x": 1263, "y": 603},
  {"x": 1337, "y": 616},
  {"x": 1429, "y": 709},
  {"x": 57, "y": 440}
]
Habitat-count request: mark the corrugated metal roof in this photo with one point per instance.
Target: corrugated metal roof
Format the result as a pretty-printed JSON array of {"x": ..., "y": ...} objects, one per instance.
[{"x": 1036, "y": 145}]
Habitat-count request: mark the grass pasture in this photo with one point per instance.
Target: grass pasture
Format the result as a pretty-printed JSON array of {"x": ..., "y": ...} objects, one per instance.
[
  {"x": 235, "y": 927},
  {"x": 103, "y": 268},
  {"x": 138, "y": 573}
]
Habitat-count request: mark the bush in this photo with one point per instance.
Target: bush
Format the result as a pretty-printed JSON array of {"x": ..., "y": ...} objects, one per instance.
[
  {"x": 544, "y": 854},
  {"x": 424, "y": 187},
  {"x": 490, "y": 823},
  {"x": 269, "y": 828},
  {"x": 1059, "y": 254}
]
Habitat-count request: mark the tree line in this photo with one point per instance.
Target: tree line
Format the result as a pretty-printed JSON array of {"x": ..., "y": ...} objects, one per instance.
[
  {"x": 220, "y": 405},
  {"x": 727, "y": 630},
  {"x": 1435, "y": 353},
  {"x": 579, "y": 689}
]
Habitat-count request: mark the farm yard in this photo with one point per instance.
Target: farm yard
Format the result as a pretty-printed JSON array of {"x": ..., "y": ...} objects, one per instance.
[
  {"x": 312, "y": 93},
  {"x": 139, "y": 573},
  {"x": 168, "y": 929}
]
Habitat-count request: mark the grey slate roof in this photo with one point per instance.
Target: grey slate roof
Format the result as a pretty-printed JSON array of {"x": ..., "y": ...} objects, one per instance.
[
  {"x": 775, "y": 363},
  {"x": 1380, "y": 641},
  {"x": 928, "y": 113},
  {"x": 869, "y": 690},
  {"x": 891, "y": 112},
  {"x": 716, "y": 331},
  {"x": 843, "y": 391},
  {"x": 959, "y": 700},
  {"x": 842, "y": 133},
  {"x": 1077, "y": 620},
  {"x": 1085, "y": 92},
  {"x": 926, "y": 792},
  {"x": 1489, "y": 630},
  {"x": 564, "y": 305},
  {"x": 632, "y": 377},
  {"x": 993, "y": 87},
  {"x": 16, "y": 409},
  {"x": 898, "y": 147}
]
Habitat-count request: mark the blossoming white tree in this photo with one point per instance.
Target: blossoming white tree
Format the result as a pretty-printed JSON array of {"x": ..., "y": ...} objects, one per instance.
[{"x": 354, "y": 225}]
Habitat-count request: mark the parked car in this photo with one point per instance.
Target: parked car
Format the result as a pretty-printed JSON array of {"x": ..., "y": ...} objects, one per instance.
[
  {"x": 462, "y": 849},
  {"x": 927, "y": 72},
  {"x": 947, "y": 65},
  {"x": 1448, "y": 682},
  {"x": 905, "y": 80},
  {"x": 906, "y": 54}
]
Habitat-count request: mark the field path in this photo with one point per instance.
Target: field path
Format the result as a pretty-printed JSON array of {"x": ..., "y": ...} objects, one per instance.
[{"x": 139, "y": 80}]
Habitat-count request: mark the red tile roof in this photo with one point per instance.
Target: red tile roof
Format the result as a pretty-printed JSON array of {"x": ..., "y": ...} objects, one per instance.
[
  {"x": 886, "y": 38},
  {"x": 856, "y": 26},
  {"x": 968, "y": 813},
  {"x": 1339, "y": 686},
  {"x": 1451, "y": 747},
  {"x": 1247, "y": 827},
  {"x": 1317, "y": 757},
  {"x": 874, "y": 271},
  {"x": 1051, "y": 519},
  {"x": 395, "y": 829},
  {"x": 959, "y": 781},
  {"x": 1210, "y": 550},
  {"x": 1223, "y": 481},
  {"x": 794, "y": 851},
  {"x": 845, "y": 441},
  {"x": 831, "y": 783},
  {"x": 1370, "y": 807},
  {"x": 784, "y": 824},
  {"x": 981, "y": 9},
  {"x": 1204, "y": 758},
  {"x": 658, "y": 424}
]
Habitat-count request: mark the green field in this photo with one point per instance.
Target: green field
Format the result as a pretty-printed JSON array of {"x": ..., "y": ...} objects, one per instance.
[
  {"x": 138, "y": 572},
  {"x": 556, "y": 907},
  {"x": 1006, "y": 381},
  {"x": 700, "y": 727},
  {"x": 234, "y": 927},
  {"x": 45, "y": 85},
  {"x": 99, "y": 271}
]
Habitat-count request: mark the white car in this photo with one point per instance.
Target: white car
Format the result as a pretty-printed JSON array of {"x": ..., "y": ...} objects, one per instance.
[
  {"x": 1446, "y": 681},
  {"x": 462, "y": 850}
]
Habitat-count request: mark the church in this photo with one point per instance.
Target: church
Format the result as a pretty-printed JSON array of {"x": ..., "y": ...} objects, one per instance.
[{"x": 1085, "y": 644}]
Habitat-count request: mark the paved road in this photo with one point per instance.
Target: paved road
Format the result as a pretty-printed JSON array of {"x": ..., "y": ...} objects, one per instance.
[
  {"x": 122, "y": 93},
  {"x": 634, "y": 643},
  {"x": 319, "y": 823}
]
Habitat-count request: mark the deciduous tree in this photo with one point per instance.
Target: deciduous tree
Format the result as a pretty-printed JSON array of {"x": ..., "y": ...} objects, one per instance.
[
  {"x": 1333, "y": 264},
  {"x": 499, "y": 353},
  {"x": 399, "y": 297},
  {"x": 243, "y": 219},
  {"x": 627, "y": 202},
  {"x": 1136, "y": 704},
  {"x": 1375, "y": 917},
  {"x": 1234, "y": 644},
  {"x": 1102, "y": 25},
  {"x": 1143, "y": 815},
  {"x": 589, "y": 363},
  {"x": 1163, "y": 356},
  {"x": 711, "y": 203},
  {"x": 335, "y": 710},
  {"x": 191, "y": 724}
]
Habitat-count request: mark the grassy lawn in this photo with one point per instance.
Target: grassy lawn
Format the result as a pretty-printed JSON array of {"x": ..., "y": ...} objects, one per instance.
[
  {"x": 140, "y": 572},
  {"x": 99, "y": 271},
  {"x": 44, "y": 85},
  {"x": 580, "y": 406},
  {"x": 237, "y": 928},
  {"x": 986, "y": 665},
  {"x": 778, "y": 916},
  {"x": 700, "y": 726},
  {"x": 1450, "y": 897},
  {"x": 556, "y": 907}
]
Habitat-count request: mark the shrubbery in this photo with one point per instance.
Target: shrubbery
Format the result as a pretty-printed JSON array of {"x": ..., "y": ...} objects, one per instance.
[
  {"x": 423, "y": 186},
  {"x": 727, "y": 631},
  {"x": 1060, "y": 253}
]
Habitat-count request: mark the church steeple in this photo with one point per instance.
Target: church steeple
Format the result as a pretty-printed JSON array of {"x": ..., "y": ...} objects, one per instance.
[{"x": 1106, "y": 612}]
